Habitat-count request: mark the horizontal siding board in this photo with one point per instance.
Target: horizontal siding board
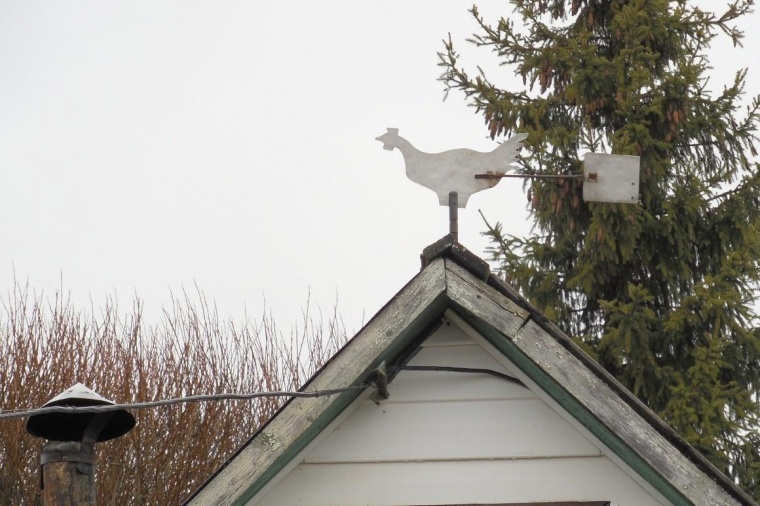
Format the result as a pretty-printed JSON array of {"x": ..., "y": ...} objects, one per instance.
[
  {"x": 471, "y": 355},
  {"x": 424, "y": 386},
  {"x": 431, "y": 386},
  {"x": 458, "y": 482},
  {"x": 452, "y": 430},
  {"x": 448, "y": 335}
]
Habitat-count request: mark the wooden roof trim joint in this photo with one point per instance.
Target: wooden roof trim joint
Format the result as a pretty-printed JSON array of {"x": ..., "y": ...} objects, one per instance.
[{"x": 447, "y": 247}]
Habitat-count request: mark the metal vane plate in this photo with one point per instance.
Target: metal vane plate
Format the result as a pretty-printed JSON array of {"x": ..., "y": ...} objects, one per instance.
[{"x": 611, "y": 178}]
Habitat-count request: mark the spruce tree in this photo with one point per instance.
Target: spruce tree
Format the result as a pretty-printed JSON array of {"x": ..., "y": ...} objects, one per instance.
[{"x": 660, "y": 293}]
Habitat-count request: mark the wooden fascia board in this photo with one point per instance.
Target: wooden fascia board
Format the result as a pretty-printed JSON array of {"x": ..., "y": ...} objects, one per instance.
[
  {"x": 412, "y": 310},
  {"x": 614, "y": 422},
  {"x": 481, "y": 300},
  {"x": 581, "y": 392}
]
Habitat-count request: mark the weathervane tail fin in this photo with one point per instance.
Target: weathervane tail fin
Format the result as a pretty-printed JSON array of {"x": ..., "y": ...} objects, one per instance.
[{"x": 510, "y": 147}]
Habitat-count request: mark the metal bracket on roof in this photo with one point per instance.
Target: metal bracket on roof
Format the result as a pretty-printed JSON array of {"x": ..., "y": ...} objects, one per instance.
[{"x": 380, "y": 379}]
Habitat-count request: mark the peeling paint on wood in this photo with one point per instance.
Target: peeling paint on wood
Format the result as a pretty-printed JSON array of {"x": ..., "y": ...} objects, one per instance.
[{"x": 483, "y": 301}]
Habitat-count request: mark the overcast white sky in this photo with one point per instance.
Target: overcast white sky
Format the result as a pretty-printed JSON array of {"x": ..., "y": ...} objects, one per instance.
[{"x": 151, "y": 145}]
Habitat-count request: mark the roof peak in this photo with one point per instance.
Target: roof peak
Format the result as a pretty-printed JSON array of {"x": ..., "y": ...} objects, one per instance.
[{"x": 449, "y": 247}]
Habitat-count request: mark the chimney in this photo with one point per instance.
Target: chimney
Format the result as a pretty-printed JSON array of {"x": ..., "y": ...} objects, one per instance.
[{"x": 68, "y": 459}]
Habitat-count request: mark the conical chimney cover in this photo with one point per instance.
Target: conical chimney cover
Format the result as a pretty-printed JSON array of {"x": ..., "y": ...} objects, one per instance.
[{"x": 72, "y": 426}]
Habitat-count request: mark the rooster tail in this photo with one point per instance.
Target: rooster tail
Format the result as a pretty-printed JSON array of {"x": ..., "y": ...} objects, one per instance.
[{"x": 509, "y": 148}]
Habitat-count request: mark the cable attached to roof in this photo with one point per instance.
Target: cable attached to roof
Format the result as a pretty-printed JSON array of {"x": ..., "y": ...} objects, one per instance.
[
  {"x": 470, "y": 370},
  {"x": 179, "y": 400},
  {"x": 378, "y": 379}
]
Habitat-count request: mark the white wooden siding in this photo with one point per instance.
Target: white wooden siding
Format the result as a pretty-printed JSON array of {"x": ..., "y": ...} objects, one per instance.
[
  {"x": 505, "y": 429},
  {"x": 457, "y": 482},
  {"x": 448, "y": 438}
]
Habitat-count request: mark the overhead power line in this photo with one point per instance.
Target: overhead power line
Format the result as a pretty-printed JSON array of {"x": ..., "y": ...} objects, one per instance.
[
  {"x": 103, "y": 408},
  {"x": 179, "y": 400}
]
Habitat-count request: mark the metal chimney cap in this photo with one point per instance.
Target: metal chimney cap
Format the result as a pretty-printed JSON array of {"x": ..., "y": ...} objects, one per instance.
[{"x": 72, "y": 426}]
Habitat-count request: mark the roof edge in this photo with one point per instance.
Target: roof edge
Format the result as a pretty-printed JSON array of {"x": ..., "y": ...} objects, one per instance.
[
  {"x": 409, "y": 313},
  {"x": 447, "y": 247},
  {"x": 634, "y": 402}
]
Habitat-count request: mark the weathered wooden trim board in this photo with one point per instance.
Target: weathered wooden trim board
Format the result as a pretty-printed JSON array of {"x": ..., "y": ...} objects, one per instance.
[
  {"x": 584, "y": 395},
  {"x": 300, "y": 420}
]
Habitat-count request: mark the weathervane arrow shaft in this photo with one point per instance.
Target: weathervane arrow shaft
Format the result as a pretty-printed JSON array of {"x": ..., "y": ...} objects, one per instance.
[{"x": 494, "y": 175}]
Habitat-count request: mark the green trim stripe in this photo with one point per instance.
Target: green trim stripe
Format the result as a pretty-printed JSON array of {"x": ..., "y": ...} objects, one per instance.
[
  {"x": 428, "y": 316},
  {"x": 577, "y": 410}
]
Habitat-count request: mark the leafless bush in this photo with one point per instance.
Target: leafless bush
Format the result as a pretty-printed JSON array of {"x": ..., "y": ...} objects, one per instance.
[{"x": 47, "y": 345}]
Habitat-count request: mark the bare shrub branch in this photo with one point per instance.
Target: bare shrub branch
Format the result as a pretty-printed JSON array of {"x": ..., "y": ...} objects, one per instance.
[{"x": 47, "y": 345}]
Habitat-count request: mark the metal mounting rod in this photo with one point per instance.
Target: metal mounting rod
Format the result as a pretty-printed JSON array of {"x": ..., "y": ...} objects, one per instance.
[
  {"x": 381, "y": 381},
  {"x": 495, "y": 175},
  {"x": 454, "y": 215}
]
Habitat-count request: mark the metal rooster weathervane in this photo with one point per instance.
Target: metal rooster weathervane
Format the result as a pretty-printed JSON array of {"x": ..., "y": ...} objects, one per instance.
[{"x": 456, "y": 174}]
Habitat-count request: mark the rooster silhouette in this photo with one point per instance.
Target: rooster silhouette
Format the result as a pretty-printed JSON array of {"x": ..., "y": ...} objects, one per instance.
[{"x": 453, "y": 170}]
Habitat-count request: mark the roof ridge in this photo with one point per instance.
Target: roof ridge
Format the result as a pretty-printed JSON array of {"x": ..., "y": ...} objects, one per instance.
[{"x": 449, "y": 247}]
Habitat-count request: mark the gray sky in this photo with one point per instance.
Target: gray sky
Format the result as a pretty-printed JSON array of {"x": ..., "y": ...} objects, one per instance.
[{"x": 147, "y": 146}]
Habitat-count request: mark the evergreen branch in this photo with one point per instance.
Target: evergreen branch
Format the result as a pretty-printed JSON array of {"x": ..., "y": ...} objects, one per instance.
[
  {"x": 634, "y": 80},
  {"x": 742, "y": 187},
  {"x": 496, "y": 236}
]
